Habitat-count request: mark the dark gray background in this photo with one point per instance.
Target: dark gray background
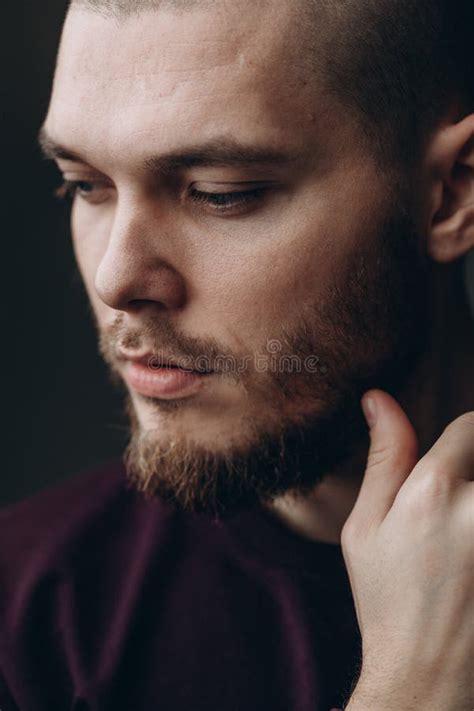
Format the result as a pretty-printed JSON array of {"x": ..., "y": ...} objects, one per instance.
[{"x": 59, "y": 413}]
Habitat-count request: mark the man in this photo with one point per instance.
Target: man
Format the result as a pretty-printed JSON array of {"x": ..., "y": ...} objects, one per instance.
[{"x": 271, "y": 206}]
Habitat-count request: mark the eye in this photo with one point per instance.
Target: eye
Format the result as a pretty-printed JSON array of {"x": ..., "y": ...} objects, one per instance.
[
  {"x": 232, "y": 203},
  {"x": 93, "y": 192}
]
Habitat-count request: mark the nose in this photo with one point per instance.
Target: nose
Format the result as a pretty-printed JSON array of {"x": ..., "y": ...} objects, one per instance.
[{"x": 136, "y": 267}]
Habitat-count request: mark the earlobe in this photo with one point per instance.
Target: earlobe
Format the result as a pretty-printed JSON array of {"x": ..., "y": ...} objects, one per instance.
[
  {"x": 453, "y": 237},
  {"x": 451, "y": 232}
]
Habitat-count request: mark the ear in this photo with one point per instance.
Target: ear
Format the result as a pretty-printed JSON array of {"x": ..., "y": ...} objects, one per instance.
[{"x": 451, "y": 161}]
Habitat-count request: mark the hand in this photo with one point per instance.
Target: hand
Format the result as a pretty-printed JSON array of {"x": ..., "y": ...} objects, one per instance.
[{"x": 409, "y": 549}]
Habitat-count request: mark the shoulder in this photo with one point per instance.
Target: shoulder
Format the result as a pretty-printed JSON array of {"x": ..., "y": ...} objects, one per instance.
[
  {"x": 69, "y": 540},
  {"x": 84, "y": 533},
  {"x": 47, "y": 537},
  {"x": 74, "y": 559}
]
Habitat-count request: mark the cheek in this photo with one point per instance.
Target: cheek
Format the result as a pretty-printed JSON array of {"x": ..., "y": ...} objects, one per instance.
[
  {"x": 262, "y": 278},
  {"x": 246, "y": 280},
  {"x": 255, "y": 290}
]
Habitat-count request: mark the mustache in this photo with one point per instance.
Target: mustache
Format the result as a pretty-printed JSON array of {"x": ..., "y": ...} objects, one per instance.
[
  {"x": 164, "y": 342},
  {"x": 287, "y": 368}
]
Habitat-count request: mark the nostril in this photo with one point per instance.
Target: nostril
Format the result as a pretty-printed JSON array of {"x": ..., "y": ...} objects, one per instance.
[
  {"x": 140, "y": 304},
  {"x": 136, "y": 281}
]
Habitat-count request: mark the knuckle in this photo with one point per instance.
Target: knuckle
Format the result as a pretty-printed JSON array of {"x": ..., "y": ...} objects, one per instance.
[
  {"x": 351, "y": 535},
  {"x": 464, "y": 420},
  {"x": 382, "y": 454},
  {"x": 436, "y": 468},
  {"x": 433, "y": 486},
  {"x": 377, "y": 457},
  {"x": 434, "y": 472},
  {"x": 348, "y": 536}
]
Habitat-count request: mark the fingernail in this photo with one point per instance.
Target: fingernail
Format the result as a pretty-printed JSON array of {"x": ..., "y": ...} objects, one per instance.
[{"x": 370, "y": 410}]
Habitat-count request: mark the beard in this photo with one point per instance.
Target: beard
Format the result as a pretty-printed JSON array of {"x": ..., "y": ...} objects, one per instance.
[{"x": 370, "y": 330}]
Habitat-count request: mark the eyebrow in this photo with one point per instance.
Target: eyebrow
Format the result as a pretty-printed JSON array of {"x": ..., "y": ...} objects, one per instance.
[{"x": 219, "y": 152}]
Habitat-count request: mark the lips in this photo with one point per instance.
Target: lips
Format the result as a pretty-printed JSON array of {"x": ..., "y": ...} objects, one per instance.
[
  {"x": 156, "y": 363},
  {"x": 158, "y": 378}
]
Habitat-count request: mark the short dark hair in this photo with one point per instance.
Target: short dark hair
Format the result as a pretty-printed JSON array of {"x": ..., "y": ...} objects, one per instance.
[{"x": 399, "y": 63}]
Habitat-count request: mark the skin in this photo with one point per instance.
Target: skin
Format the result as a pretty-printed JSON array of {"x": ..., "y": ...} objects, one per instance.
[
  {"x": 147, "y": 253},
  {"x": 439, "y": 390},
  {"x": 414, "y": 602},
  {"x": 144, "y": 253},
  {"x": 211, "y": 270}
]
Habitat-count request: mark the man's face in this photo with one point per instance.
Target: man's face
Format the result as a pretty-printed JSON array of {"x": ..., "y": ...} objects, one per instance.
[{"x": 230, "y": 218}]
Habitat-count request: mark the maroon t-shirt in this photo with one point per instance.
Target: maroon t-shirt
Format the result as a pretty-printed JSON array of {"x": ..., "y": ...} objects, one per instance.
[{"x": 112, "y": 602}]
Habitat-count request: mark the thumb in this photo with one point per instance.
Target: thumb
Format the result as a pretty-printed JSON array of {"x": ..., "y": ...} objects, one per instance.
[{"x": 393, "y": 453}]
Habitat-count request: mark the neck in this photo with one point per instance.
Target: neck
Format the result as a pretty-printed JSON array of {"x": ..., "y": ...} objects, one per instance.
[{"x": 440, "y": 389}]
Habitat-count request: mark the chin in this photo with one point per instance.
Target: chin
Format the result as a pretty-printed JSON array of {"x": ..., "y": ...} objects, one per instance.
[
  {"x": 189, "y": 424},
  {"x": 220, "y": 467}
]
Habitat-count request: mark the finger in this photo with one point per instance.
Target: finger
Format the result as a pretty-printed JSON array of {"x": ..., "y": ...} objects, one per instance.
[
  {"x": 392, "y": 455},
  {"x": 452, "y": 455}
]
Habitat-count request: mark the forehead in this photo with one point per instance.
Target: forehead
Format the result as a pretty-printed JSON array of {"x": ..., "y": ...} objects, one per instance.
[{"x": 167, "y": 77}]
